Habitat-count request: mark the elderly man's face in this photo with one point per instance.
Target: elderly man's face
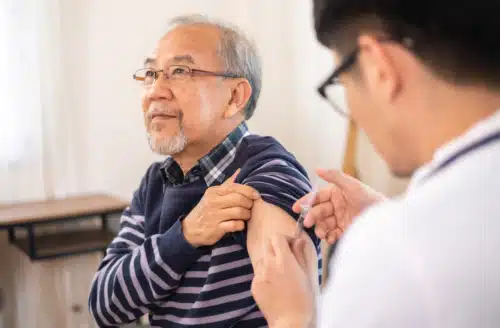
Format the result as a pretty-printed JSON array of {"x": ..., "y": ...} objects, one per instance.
[{"x": 182, "y": 113}]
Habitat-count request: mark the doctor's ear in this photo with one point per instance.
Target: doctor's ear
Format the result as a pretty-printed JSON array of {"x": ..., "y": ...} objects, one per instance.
[{"x": 240, "y": 95}]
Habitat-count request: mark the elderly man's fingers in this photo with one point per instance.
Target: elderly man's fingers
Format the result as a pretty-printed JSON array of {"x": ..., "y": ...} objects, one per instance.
[
  {"x": 232, "y": 200},
  {"x": 244, "y": 190},
  {"x": 234, "y": 213},
  {"x": 232, "y": 178},
  {"x": 232, "y": 226}
]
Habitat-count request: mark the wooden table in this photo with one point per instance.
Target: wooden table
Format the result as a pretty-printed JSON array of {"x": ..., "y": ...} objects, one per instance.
[{"x": 29, "y": 215}]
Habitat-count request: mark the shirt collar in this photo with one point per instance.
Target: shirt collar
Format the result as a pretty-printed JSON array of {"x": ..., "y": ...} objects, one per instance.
[
  {"x": 475, "y": 133},
  {"x": 212, "y": 167}
]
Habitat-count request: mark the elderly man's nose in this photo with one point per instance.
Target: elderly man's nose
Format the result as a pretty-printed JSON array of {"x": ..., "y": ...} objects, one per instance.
[{"x": 160, "y": 89}]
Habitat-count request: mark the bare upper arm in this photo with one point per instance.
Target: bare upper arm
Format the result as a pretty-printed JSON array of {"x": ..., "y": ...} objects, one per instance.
[{"x": 268, "y": 220}]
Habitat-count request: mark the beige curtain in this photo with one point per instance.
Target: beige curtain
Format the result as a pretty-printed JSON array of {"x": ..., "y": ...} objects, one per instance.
[{"x": 36, "y": 161}]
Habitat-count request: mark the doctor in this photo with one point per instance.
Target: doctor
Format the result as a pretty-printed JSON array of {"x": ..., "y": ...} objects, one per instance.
[{"x": 422, "y": 79}]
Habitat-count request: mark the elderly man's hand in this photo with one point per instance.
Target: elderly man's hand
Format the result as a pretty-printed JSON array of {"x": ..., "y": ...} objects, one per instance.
[
  {"x": 223, "y": 209},
  {"x": 281, "y": 286},
  {"x": 336, "y": 205}
]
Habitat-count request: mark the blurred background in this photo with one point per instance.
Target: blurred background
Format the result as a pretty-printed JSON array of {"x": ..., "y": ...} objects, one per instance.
[{"x": 71, "y": 123}]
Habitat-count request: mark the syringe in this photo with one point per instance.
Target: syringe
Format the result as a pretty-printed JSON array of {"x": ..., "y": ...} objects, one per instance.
[{"x": 304, "y": 209}]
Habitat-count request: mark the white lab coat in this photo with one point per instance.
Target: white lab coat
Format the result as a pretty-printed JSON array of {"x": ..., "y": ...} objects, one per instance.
[{"x": 430, "y": 258}]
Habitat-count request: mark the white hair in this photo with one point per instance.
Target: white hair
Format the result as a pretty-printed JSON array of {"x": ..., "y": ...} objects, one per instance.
[
  {"x": 238, "y": 52},
  {"x": 168, "y": 146}
]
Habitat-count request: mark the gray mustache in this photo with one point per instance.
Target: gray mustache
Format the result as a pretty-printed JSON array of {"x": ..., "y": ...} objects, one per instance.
[
  {"x": 149, "y": 115},
  {"x": 159, "y": 109}
]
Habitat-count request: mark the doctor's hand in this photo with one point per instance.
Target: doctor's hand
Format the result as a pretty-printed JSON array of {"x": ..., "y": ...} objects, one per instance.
[
  {"x": 281, "y": 286},
  {"x": 223, "y": 209},
  {"x": 336, "y": 205}
]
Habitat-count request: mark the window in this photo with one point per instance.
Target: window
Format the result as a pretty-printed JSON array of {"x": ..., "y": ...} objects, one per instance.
[
  {"x": 21, "y": 111},
  {"x": 20, "y": 106}
]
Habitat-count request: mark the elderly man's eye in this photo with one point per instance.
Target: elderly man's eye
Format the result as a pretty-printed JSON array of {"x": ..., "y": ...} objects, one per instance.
[
  {"x": 179, "y": 71},
  {"x": 150, "y": 73}
]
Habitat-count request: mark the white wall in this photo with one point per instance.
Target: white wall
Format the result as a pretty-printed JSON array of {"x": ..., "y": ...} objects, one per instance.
[{"x": 105, "y": 41}]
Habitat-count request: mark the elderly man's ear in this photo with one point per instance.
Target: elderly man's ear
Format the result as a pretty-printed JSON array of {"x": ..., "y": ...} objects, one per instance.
[{"x": 240, "y": 95}]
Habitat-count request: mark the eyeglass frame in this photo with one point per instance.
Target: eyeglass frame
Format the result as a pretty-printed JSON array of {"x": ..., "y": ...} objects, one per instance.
[
  {"x": 192, "y": 72},
  {"x": 346, "y": 65}
]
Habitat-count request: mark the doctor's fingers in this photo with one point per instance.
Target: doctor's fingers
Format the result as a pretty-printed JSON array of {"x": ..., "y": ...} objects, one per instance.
[
  {"x": 333, "y": 235},
  {"x": 319, "y": 213},
  {"x": 325, "y": 226},
  {"x": 312, "y": 198}
]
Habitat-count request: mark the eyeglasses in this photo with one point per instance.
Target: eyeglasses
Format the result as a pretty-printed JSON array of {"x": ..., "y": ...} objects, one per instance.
[
  {"x": 148, "y": 76},
  {"x": 331, "y": 89}
]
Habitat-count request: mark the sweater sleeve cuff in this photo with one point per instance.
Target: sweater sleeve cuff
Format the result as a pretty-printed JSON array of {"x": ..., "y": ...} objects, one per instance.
[{"x": 176, "y": 250}]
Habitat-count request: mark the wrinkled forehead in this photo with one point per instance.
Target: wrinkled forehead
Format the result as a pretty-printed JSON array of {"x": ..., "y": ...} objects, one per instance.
[{"x": 193, "y": 45}]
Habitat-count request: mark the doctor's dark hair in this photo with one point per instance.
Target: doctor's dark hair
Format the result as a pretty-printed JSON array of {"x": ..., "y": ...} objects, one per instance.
[{"x": 457, "y": 40}]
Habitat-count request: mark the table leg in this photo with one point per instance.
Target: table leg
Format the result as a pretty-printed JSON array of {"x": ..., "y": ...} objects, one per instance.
[
  {"x": 104, "y": 226},
  {"x": 12, "y": 235},
  {"x": 31, "y": 241},
  {"x": 104, "y": 222}
]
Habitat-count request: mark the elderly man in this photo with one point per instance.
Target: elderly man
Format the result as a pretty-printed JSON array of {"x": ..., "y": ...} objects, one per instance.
[{"x": 198, "y": 220}]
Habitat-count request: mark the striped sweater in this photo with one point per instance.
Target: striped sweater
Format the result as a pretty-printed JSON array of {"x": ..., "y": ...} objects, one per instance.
[{"x": 150, "y": 267}]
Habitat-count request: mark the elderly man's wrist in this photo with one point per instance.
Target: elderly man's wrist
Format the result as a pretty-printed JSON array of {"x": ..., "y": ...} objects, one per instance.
[{"x": 187, "y": 236}]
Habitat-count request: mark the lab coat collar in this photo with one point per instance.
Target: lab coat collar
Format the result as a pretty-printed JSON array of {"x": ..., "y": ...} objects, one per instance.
[{"x": 475, "y": 133}]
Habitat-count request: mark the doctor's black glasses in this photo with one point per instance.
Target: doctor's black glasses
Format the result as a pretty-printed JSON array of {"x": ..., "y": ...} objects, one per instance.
[{"x": 346, "y": 65}]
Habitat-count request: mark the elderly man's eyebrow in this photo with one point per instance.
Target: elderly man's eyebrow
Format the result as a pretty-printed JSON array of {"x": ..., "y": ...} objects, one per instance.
[
  {"x": 149, "y": 61},
  {"x": 183, "y": 58}
]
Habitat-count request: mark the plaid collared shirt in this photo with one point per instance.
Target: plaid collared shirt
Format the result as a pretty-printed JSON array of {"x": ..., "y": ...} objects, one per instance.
[{"x": 212, "y": 166}]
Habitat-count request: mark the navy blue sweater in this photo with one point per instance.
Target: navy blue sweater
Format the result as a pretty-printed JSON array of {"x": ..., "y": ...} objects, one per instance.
[{"x": 150, "y": 267}]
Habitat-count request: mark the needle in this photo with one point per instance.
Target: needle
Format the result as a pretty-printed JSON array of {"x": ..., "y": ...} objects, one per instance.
[{"x": 304, "y": 209}]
